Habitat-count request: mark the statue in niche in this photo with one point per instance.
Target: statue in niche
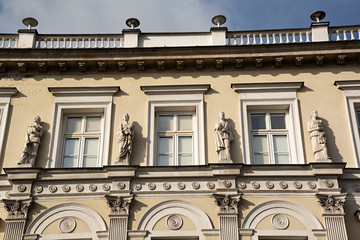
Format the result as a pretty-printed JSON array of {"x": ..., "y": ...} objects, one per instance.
[
  {"x": 126, "y": 136},
  {"x": 32, "y": 143},
  {"x": 318, "y": 138},
  {"x": 223, "y": 137}
]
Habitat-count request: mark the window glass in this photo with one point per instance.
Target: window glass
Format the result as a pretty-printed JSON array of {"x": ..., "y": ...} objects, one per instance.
[
  {"x": 258, "y": 121},
  {"x": 71, "y": 153},
  {"x": 93, "y": 124},
  {"x": 166, "y": 123},
  {"x": 184, "y": 122},
  {"x": 277, "y": 121},
  {"x": 261, "y": 152},
  {"x": 185, "y": 150},
  {"x": 165, "y": 151},
  {"x": 73, "y": 125},
  {"x": 281, "y": 152}
]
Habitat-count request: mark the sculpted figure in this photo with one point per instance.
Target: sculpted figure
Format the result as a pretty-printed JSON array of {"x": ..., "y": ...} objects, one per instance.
[
  {"x": 32, "y": 143},
  {"x": 318, "y": 138},
  {"x": 223, "y": 137},
  {"x": 126, "y": 133}
]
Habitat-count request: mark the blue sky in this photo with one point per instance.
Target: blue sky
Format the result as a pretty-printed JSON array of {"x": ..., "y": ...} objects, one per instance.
[{"x": 108, "y": 16}]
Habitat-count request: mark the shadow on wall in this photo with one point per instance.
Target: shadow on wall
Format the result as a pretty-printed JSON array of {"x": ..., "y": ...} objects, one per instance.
[
  {"x": 235, "y": 146},
  {"x": 136, "y": 206},
  {"x": 243, "y": 206},
  {"x": 43, "y": 153},
  {"x": 139, "y": 146},
  {"x": 333, "y": 150}
]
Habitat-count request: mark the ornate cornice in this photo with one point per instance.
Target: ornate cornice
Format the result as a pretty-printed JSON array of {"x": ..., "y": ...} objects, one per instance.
[
  {"x": 333, "y": 204},
  {"x": 17, "y": 208},
  {"x": 227, "y": 203},
  {"x": 119, "y": 205}
]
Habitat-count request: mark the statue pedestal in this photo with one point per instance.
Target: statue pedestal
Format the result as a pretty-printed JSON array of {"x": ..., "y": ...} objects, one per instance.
[
  {"x": 226, "y": 161},
  {"x": 324, "y": 160},
  {"x": 121, "y": 163},
  {"x": 25, "y": 165}
]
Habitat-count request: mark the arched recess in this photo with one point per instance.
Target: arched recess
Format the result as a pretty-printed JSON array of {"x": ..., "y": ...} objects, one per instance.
[
  {"x": 93, "y": 219},
  {"x": 312, "y": 224},
  {"x": 198, "y": 217}
]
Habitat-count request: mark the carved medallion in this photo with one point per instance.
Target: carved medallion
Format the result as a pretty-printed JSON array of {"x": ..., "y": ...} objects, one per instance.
[
  {"x": 242, "y": 185},
  {"x": 121, "y": 185},
  {"x": 52, "y": 188},
  {"x": 181, "y": 185},
  {"x": 227, "y": 183},
  {"x": 280, "y": 221},
  {"x": 283, "y": 185},
  {"x": 137, "y": 186},
  {"x": 152, "y": 186},
  {"x": 166, "y": 186},
  {"x": 39, "y": 189},
  {"x": 210, "y": 185},
  {"x": 106, "y": 187},
  {"x": 298, "y": 185},
  {"x": 67, "y": 225},
  {"x": 269, "y": 185},
  {"x": 174, "y": 222},
  {"x": 79, "y": 188},
  {"x": 196, "y": 185},
  {"x": 255, "y": 185},
  {"x": 66, "y": 188},
  {"x": 312, "y": 185},
  {"x": 329, "y": 183},
  {"x": 93, "y": 187},
  {"x": 21, "y": 188},
  {"x": 356, "y": 187}
]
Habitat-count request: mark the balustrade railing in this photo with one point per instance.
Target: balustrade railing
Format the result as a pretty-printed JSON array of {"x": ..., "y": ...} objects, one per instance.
[
  {"x": 344, "y": 33},
  {"x": 269, "y": 36},
  {"x": 80, "y": 41},
  {"x": 9, "y": 40}
]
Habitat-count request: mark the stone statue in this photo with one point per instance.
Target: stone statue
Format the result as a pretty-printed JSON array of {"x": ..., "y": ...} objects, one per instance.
[
  {"x": 126, "y": 133},
  {"x": 223, "y": 137},
  {"x": 32, "y": 143},
  {"x": 318, "y": 138}
]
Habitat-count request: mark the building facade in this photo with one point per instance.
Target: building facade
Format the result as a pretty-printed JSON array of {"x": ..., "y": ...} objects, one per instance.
[{"x": 209, "y": 135}]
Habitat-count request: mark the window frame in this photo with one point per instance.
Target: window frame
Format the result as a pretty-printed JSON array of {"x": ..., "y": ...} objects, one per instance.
[
  {"x": 175, "y": 134},
  {"x": 269, "y": 132},
  {"x": 80, "y": 100},
  {"x": 351, "y": 89},
  {"x": 177, "y": 98},
  {"x": 272, "y": 96}
]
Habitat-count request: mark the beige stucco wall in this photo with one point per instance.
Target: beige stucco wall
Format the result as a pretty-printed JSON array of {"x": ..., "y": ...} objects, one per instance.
[{"x": 318, "y": 93}]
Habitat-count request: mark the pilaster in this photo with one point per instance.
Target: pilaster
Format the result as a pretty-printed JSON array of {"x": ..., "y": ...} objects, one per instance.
[
  {"x": 228, "y": 213},
  {"x": 16, "y": 219},
  {"x": 119, "y": 216}
]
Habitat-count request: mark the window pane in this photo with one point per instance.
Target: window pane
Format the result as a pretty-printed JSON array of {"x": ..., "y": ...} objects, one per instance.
[
  {"x": 73, "y": 125},
  {"x": 258, "y": 121},
  {"x": 185, "y": 144},
  {"x": 261, "y": 158},
  {"x": 165, "y": 145},
  {"x": 280, "y": 143},
  {"x": 166, "y": 123},
  {"x": 165, "y": 160},
  {"x": 90, "y": 162},
  {"x": 91, "y": 146},
  {"x": 358, "y": 118},
  {"x": 277, "y": 121},
  {"x": 185, "y": 122},
  {"x": 260, "y": 144},
  {"x": 185, "y": 159},
  {"x": 70, "y": 162},
  {"x": 71, "y": 147},
  {"x": 93, "y": 124},
  {"x": 282, "y": 158}
]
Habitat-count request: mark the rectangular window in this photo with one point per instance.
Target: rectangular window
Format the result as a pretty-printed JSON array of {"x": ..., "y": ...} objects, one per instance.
[
  {"x": 175, "y": 139},
  {"x": 81, "y": 140},
  {"x": 270, "y": 138}
]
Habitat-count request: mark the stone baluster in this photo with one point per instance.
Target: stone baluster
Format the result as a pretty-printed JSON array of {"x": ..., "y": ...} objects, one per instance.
[
  {"x": 301, "y": 37},
  {"x": 45, "y": 42},
  {"x": 2, "y": 43},
  {"x": 280, "y": 38},
  {"x": 16, "y": 218},
  {"x": 261, "y": 38},
  {"x": 83, "y": 43},
  {"x": 10, "y": 40},
  {"x": 359, "y": 34},
  {"x": 337, "y": 35},
  {"x": 307, "y": 37},
  {"x": 108, "y": 43},
  {"x": 96, "y": 43},
  {"x": 333, "y": 213},
  {"x": 114, "y": 44},
  {"x": 345, "y": 37},
  {"x": 17, "y": 42},
  {"x": 241, "y": 39},
  {"x": 64, "y": 43},
  {"x": 102, "y": 43},
  {"x": 267, "y": 38},
  {"x": 51, "y": 43},
  {"x": 228, "y": 212},
  {"x": 76, "y": 43},
  {"x": 248, "y": 39},
  {"x": 274, "y": 38},
  {"x": 294, "y": 37},
  {"x": 287, "y": 37},
  {"x": 254, "y": 39},
  {"x": 235, "y": 40},
  {"x": 352, "y": 35},
  {"x": 58, "y": 43},
  {"x": 119, "y": 215}
]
